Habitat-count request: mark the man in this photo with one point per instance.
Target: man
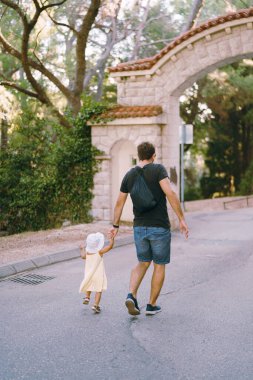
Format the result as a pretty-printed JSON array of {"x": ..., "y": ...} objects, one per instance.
[{"x": 151, "y": 227}]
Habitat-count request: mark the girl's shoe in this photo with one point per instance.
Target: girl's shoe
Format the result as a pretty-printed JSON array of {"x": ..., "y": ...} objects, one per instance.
[
  {"x": 86, "y": 301},
  {"x": 96, "y": 309}
]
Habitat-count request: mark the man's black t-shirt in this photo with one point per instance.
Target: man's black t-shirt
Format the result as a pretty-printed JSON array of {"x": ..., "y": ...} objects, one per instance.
[{"x": 157, "y": 216}]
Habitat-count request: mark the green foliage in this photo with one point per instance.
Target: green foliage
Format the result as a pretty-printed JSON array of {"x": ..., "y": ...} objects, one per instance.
[
  {"x": 246, "y": 185},
  {"x": 46, "y": 172},
  {"x": 220, "y": 107},
  {"x": 192, "y": 185}
]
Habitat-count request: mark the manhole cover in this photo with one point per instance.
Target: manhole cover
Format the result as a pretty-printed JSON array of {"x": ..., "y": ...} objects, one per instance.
[{"x": 31, "y": 279}]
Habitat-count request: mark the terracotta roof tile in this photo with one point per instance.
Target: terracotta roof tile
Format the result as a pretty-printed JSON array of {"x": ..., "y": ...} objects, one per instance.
[
  {"x": 122, "y": 112},
  {"x": 147, "y": 63}
]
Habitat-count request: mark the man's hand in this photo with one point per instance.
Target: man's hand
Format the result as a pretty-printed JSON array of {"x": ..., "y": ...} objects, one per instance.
[
  {"x": 112, "y": 232},
  {"x": 184, "y": 228}
]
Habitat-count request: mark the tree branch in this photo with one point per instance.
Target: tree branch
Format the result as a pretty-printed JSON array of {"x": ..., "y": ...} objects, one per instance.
[
  {"x": 139, "y": 32},
  {"x": 44, "y": 7},
  {"x": 81, "y": 44},
  {"x": 16, "y": 8},
  {"x": 37, "y": 66},
  {"x": 3, "y": 13},
  {"x": 151, "y": 19},
  {"x": 194, "y": 15},
  {"x": 62, "y": 24},
  {"x": 19, "y": 88}
]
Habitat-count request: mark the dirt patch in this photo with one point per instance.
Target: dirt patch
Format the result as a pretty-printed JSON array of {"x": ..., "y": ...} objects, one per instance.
[{"x": 32, "y": 244}]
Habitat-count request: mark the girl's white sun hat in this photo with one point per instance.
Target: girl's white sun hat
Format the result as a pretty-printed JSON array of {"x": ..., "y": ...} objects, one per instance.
[{"x": 95, "y": 242}]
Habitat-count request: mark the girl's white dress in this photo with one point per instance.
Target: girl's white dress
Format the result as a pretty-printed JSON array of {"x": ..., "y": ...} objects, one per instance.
[{"x": 94, "y": 275}]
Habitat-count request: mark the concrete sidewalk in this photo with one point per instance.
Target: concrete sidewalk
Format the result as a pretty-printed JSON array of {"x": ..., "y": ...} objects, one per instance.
[{"x": 41, "y": 261}]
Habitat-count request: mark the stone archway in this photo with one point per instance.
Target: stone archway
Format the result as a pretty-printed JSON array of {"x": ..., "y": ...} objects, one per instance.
[{"x": 159, "y": 81}]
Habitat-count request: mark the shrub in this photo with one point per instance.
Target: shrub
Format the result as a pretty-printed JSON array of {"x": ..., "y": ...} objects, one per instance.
[{"x": 46, "y": 172}]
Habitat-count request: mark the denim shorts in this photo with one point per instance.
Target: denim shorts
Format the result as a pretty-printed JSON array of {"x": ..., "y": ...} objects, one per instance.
[{"x": 152, "y": 244}]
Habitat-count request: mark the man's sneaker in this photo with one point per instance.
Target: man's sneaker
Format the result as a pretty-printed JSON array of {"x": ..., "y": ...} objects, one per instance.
[
  {"x": 132, "y": 305},
  {"x": 151, "y": 310}
]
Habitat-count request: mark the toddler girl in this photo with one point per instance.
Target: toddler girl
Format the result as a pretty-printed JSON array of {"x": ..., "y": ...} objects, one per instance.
[{"x": 94, "y": 276}]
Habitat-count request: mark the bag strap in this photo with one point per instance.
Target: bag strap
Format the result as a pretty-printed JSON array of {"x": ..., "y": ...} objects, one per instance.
[{"x": 140, "y": 173}]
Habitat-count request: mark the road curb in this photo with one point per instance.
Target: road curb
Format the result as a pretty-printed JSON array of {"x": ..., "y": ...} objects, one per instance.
[{"x": 52, "y": 258}]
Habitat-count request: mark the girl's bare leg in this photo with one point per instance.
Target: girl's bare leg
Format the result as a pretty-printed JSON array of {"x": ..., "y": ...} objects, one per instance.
[
  {"x": 88, "y": 294},
  {"x": 97, "y": 298}
]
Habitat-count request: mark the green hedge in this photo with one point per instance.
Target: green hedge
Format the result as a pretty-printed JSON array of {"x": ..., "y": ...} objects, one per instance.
[{"x": 46, "y": 172}]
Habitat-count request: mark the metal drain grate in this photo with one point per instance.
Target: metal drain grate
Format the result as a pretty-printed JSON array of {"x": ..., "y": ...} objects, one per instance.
[{"x": 31, "y": 279}]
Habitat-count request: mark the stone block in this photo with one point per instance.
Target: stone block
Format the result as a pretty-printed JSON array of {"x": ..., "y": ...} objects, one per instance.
[
  {"x": 105, "y": 166},
  {"x": 159, "y": 95},
  {"x": 148, "y": 91},
  {"x": 64, "y": 255},
  {"x": 247, "y": 48},
  {"x": 149, "y": 100},
  {"x": 101, "y": 201},
  {"x": 101, "y": 178},
  {"x": 23, "y": 266},
  {"x": 41, "y": 261},
  {"x": 103, "y": 147},
  {"x": 99, "y": 131},
  {"x": 125, "y": 101},
  {"x": 97, "y": 213},
  {"x": 157, "y": 141},
  {"x": 121, "y": 89},
  {"x": 134, "y": 133},
  {"x": 106, "y": 141},
  {"x": 113, "y": 134},
  {"x": 213, "y": 51},
  {"x": 236, "y": 45},
  {"x": 130, "y": 92},
  {"x": 123, "y": 133},
  {"x": 7, "y": 270},
  {"x": 107, "y": 190},
  {"x": 147, "y": 131},
  {"x": 200, "y": 51},
  {"x": 98, "y": 189},
  {"x": 136, "y": 85},
  {"x": 224, "y": 48},
  {"x": 95, "y": 140},
  {"x": 247, "y": 37},
  {"x": 139, "y": 140},
  {"x": 107, "y": 214}
]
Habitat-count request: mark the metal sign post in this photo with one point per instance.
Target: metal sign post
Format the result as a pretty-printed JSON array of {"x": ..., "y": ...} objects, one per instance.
[{"x": 185, "y": 137}]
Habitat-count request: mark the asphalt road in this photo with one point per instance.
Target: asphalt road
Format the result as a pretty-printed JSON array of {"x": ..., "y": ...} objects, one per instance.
[{"x": 205, "y": 329}]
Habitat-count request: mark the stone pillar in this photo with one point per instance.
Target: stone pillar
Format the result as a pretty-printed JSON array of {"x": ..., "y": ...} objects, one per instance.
[
  {"x": 101, "y": 203},
  {"x": 170, "y": 137}
]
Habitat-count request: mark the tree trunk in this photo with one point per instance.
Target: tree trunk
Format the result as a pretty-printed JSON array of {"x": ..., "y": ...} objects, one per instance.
[
  {"x": 194, "y": 15},
  {"x": 4, "y": 134},
  {"x": 101, "y": 75}
]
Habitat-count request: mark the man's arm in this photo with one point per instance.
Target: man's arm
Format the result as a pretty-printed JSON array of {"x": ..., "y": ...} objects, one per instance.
[
  {"x": 118, "y": 211},
  {"x": 175, "y": 204}
]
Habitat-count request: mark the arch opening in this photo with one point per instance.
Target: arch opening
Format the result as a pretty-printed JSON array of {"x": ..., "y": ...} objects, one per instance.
[{"x": 123, "y": 157}]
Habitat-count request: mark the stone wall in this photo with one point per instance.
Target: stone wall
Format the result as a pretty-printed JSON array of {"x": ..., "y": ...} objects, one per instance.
[{"x": 104, "y": 137}]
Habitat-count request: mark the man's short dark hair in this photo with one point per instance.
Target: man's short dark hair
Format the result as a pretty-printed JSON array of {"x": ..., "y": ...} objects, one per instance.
[{"x": 145, "y": 151}]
